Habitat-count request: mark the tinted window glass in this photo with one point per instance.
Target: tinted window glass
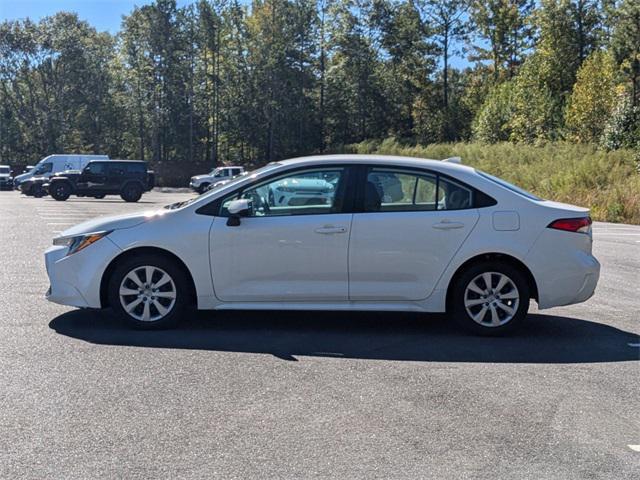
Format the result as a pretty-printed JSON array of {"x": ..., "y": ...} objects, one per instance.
[
  {"x": 136, "y": 167},
  {"x": 391, "y": 191},
  {"x": 96, "y": 168},
  {"x": 305, "y": 192},
  {"x": 115, "y": 169},
  {"x": 43, "y": 168}
]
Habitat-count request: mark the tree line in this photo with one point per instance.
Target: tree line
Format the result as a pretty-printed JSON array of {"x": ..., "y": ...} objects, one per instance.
[{"x": 226, "y": 81}]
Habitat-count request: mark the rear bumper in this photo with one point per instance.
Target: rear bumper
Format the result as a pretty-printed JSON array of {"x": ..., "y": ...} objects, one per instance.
[{"x": 564, "y": 269}]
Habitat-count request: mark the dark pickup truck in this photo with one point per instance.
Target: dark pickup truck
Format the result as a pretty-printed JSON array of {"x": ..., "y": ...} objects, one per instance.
[{"x": 127, "y": 178}]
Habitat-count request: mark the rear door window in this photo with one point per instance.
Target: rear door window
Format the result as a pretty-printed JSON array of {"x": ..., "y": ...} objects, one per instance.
[
  {"x": 399, "y": 190},
  {"x": 395, "y": 190}
]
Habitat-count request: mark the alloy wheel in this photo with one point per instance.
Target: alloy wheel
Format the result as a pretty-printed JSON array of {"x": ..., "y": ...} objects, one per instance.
[
  {"x": 491, "y": 299},
  {"x": 147, "y": 293}
]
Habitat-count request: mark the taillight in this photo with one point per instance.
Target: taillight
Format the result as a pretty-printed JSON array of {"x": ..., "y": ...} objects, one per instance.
[{"x": 578, "y": 225}]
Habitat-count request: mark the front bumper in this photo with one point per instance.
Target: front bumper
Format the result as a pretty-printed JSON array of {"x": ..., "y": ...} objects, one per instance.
[
  {"x": 75, "y": 279},
  {"x": 194, "y": 186}
]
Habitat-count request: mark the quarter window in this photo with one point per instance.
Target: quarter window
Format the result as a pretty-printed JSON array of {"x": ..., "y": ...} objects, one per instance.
[
  {"x": 306, "y": 192},
  {"x": 453, "y": 196}
]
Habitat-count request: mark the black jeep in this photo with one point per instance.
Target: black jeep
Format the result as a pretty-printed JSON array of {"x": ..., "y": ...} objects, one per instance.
[{"x": 128, "y": 178}]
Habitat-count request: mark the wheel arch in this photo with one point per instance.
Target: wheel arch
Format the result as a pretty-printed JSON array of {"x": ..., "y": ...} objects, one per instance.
[
  {"x": 104, "y": 282},
  {"x": 488, "y": 257}
]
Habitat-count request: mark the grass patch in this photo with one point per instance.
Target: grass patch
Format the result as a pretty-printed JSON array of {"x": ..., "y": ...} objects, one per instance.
[{"x": 606, "y": 182}]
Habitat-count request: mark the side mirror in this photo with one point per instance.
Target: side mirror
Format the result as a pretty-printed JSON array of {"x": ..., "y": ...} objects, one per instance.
[{"x": 237, "y": 209}]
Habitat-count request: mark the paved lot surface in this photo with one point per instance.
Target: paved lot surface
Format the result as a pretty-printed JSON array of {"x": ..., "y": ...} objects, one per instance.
[{"x": 301, "y": 395}]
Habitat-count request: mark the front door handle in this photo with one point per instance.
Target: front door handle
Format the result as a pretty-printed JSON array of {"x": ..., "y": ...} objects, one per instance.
[
  {"x": 447, "y": 225},
  {"x": 330, "y": 230}
]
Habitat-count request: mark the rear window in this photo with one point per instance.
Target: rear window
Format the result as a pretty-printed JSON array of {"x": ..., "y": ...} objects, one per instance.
[{"x": 509, "y": 186}]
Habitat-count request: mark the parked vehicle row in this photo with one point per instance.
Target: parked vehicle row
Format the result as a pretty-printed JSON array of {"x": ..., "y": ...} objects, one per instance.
[
  {"x": 87, "y": 176},
  {"x": 343, "y": 232}
]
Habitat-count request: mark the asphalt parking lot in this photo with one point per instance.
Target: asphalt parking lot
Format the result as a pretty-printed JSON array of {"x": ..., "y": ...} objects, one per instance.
[{"x": 310, "y": 395}]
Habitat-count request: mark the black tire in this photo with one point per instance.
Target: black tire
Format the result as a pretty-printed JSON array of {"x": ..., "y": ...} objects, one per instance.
[
  {"x": 203, "y": 188},
  {"x": 490, "y": 300},
  {"x": 60, "y": 191},
  {"x": 38, "y": 191},
  {"x": 131, "y": 192},
  {"x": 99, "y": 197},
  {"x": 136, "y": 264}
]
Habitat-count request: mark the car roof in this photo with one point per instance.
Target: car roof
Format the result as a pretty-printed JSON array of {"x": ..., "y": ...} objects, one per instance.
[{"x": 386, "y": 160}]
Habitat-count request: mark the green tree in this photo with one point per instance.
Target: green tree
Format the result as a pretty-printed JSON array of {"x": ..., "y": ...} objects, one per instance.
[
  {"x": 504, "y": 26},
  {"x": 625, "y": 43},
  {"x": 592, "y": 98},
  {"x": 492, "y": 123}
]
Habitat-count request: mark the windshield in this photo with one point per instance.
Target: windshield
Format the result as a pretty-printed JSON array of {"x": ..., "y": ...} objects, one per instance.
[
  {"x": 5, "y": 170},
  {"x": 43, "y": 168},
  {"x": 510, "y": 186},
  {"x": 230, "y": 182}
]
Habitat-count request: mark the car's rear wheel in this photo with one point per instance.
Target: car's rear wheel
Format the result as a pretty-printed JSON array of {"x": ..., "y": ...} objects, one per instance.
[
  {"x": 491, "y": 298},
  {"x": 148, "y": 291},
  {"x": 131, "y": 192},
  {"x": 60, "y": 191},
  {"x": 37, "y": 191}
]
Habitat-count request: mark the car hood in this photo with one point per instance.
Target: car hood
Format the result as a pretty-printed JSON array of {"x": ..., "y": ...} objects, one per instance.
[
  {"x": 22, "y": 176},
  {"x": 116, "y": 222}
]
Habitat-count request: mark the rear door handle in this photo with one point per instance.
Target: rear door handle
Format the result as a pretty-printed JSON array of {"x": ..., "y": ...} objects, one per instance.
[
  {"x": 330, "y": 230},
  {"x": 447, "y": 225}
]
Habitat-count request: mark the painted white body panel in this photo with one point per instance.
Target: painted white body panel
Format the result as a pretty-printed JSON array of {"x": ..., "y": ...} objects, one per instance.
[
  {"x": 401, "y": 255},
  {"x": 381, "y": 261},
  {"x": 281, "y": 259}
]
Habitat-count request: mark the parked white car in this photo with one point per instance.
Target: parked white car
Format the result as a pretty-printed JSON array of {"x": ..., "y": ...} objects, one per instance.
[
  {"x": 55, "y": 164},
  {"x": 218, "y": 176},
  {"x": 456, "y": 240}
]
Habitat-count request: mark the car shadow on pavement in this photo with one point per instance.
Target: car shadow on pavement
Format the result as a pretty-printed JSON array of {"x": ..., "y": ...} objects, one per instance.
[{"x": 377, "y": 335}]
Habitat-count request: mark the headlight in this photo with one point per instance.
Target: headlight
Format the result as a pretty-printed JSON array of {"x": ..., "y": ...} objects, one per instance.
[{"x": 78, "y": 242}]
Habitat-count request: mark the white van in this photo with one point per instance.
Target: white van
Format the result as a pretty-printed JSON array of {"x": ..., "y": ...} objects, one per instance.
[{"x": 57, "y": 163}]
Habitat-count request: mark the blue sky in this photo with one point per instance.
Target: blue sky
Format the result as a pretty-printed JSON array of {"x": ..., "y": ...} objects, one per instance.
[{"x": 102, "y": 14}]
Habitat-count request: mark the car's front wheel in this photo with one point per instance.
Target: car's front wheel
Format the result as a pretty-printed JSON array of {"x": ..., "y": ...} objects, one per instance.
[
  {"x": 203, "y": 187},
  {"x": 491, "y": 298},
  {"x": 148, "y": 291}
]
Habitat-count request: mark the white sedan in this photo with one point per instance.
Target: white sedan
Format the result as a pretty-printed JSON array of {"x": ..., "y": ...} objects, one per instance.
[{"x": 445, "y": 238}]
